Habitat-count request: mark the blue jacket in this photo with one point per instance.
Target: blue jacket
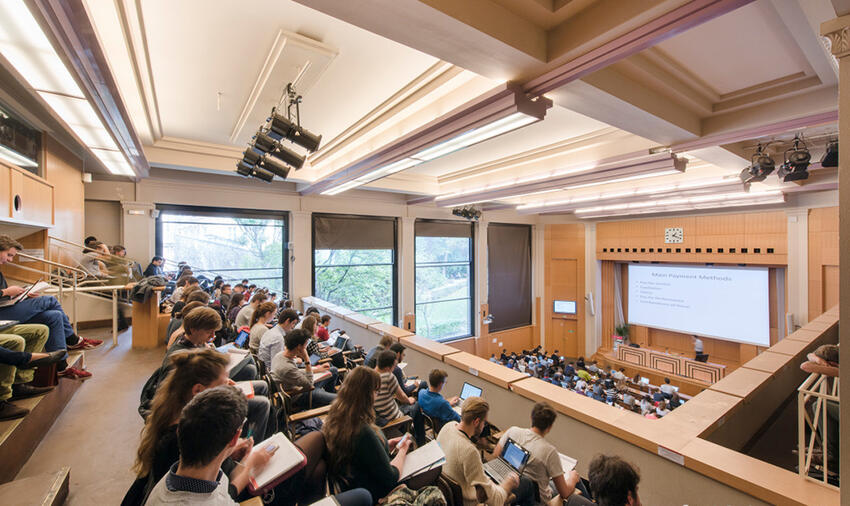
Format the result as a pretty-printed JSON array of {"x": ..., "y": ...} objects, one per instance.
[{"x": 433, "y": 404}]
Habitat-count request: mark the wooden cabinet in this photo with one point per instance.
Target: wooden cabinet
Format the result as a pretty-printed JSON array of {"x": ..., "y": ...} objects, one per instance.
[{"x": 25, "y": 198}]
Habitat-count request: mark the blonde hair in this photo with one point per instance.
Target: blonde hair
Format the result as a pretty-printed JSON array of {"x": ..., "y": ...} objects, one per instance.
[
  {"x": 474, "y": 408},
  {"x": 309, "y": 324}
]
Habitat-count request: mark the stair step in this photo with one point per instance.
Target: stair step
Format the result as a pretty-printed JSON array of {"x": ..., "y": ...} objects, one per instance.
[{"x": 49, "y": 489}]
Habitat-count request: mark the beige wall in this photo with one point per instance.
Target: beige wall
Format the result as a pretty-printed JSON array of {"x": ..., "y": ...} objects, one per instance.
[
  {"x": 103, "y": 220},
  {"x": 64, "y": 170}
]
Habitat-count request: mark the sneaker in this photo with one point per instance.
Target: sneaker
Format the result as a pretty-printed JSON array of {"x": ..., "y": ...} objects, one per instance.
[
  {"x": 74, "y": 373},
  {"x": 91, "y": 343},
  {"x": 9, "y": 411},
  {"x": 23, "y": 391}
]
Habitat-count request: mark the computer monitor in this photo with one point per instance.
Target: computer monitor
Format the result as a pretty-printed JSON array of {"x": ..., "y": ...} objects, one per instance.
[
  {"x": 644, "y": 381},
  {"x": 564, "y": 307},
  {"x": 468, "y": 391}
]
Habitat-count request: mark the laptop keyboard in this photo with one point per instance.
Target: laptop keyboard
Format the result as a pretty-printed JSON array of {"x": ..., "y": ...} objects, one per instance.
[{"x": 500, "y": 469}]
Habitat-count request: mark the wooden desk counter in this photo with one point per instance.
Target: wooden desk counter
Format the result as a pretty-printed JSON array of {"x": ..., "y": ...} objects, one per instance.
[
  {"x": 755, "y": 477},
  {"x": 768, "y": 361},
  {"x": 146, "y": 321},
  {"x": 805, "y": 335},
  {"x": 703, "y": 412},
  {"x": 385, "y": 329},
  {"x": 311, "y": 301},
  {"x": 427, "y": 346},
  {"x": 477, "y": 366},
  {"x": 742, "y": 383},
  {"x": 338, "y": 311},
  {"x": 790, "y": 347},
  {"x": 822, "y": 323},
  {"x": 361, "y": 320}
]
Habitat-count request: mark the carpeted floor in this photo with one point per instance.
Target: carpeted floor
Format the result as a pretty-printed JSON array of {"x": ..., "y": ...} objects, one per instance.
[{"x": 98, "y": 432}]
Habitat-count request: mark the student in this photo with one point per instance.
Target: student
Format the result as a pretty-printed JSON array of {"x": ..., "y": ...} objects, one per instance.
[
  {"x": 544, "y": 464},
  {"x": 235, "y": 306},
  {"x": 175, "y": 327},
  {"x": 20, "y": 352},
  {"x": 699, "y": 347},
  {"x": 44, "y": 310},
  {"x": 225, "y": 295},
  {"x": 613, "y": 481},
  {"x": 359, "y": 454},
  {"x": 243, "y": 317},
  {"x": 667, "y": 389},
  {"x": 285, "y": 372},
  {"x": 662, "y": 409},
  {"x": 372, "y": 355},
  {"x": 463, "y": 460},
  {"x": 322, "y": 330},
  {"x": 391, "y": 402},
  {"x": 432, "y": 402},
  {"x": 259, "y": 319},
  {"x": 645, "y": 405},
  {"x": 272, "y": 341},
  {"x": 207, "y": 434},
  {"x": 415, "y": 386},
  {"x": 628, "y": 398}
]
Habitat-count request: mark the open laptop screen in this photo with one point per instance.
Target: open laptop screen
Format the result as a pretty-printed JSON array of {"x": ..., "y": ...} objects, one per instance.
[
  {"x": 469, "y": 391},
  {"x": 514, "y": 455}
]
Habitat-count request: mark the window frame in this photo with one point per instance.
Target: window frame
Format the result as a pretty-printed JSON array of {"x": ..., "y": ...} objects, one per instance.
[
  {"x": 472, "y": 312},
  {"x": 231, "y": 212},
  {"x": 394, "y": 268}
]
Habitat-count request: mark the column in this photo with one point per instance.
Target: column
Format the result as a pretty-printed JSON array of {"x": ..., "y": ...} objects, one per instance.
[
  {"x": 407, "y": 268},
  {"x": 838, "y": 33},
  {"x": 480, "y": 273},
  {"x": 538, "y": 280},
  {"x": 300, "y": 260},
  {"x": 798, "y": 268},
  {"x": 592, "y": 285}
]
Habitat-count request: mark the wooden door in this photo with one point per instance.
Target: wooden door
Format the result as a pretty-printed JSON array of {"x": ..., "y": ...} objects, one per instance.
[{"x": 564, "y": 337}]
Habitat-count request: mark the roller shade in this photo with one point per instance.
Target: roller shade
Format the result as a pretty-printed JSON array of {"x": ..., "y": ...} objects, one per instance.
[
  {"x": 353, "y": 232},
  {"x": 509, "y": 275},
  {"x": 443, "y": 229}
]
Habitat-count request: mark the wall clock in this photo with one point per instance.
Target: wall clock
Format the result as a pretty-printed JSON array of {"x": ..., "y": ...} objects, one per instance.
[{"x": 674, "y": 235}]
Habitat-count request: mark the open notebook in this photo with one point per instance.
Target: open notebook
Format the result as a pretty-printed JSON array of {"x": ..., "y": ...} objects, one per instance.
[
  {"x": 422, "y": 459},
  {"x": 567, "y": 463},
  {"x": 285, "y": 462}
]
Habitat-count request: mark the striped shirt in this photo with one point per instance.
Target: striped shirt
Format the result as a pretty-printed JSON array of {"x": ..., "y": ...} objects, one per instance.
[{"x": 385, "y": 404}]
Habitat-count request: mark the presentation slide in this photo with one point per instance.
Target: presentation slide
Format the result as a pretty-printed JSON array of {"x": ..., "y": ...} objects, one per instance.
[{"x": 723, "y": 302}]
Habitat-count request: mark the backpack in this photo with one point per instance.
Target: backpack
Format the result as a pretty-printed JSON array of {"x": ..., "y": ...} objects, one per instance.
[
  {"x": 425, "y": 496},
  {"x": 149, "y": 390}
]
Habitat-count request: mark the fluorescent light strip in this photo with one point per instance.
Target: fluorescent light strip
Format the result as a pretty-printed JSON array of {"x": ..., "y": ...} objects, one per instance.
[
  {"x": 476, "y": 135},
  {"x": 16, "y": 158},
  {"x": 27, "y": 48},
  {"x": 688, "y": 207},
  {"x": 666, "y": 172},
  {"x": 680, "y": 201}
]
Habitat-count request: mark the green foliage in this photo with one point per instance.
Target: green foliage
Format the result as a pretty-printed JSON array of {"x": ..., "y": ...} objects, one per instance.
[{"x": 361, "y": 280}]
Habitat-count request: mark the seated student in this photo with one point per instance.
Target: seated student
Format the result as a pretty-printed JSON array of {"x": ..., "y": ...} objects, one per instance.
[
  {"x": 322, "y": 330},
  {"x": 580, "y": 363},
  {"x": 190, "y": 294},
  {"x": 386, "y": 407},
  {"x": 20, "y": 352},
  {"x": 175, "y": 328},
  {"x": 544, "y": 464},
  {"x": 662, "y": 409},
  {"x": 463, "y": 460},
  {"x": 234, "y": 306},
  {"x": 628, "y": 398},
  {"x": 207, "y": 434},
  {"x": 610, "y": 391},
  {"x": 432, "y": 402},
  {"x": 285, "y": 371},
  {"x": 183, "y": 282},
  {"x": 414, "y": 386},
  {"x": 359, "y": 454},
  {"x": 372, "y": 355},
  {"x": 619, "y": 375},
  {"x": 613, "y": 481},
  {"x": 645, "y": 405},
  {"x": 272, "y": 341},
  {"x": 667, "y": 389},
  {"x": 657, "y": 395},
  {"x": 570, "y": 370},
  {"x": 224, "y": 296},
  {"x": 592, "y": 367},
  {"x": 155, "y": 267},
  {"x": 93, "y": 261},
  {"x": 583, "y": 374},
  {"x": 243, "y": 317},
  {"x": 44, "y": 310},
  {"x": 259, "y": 319}
]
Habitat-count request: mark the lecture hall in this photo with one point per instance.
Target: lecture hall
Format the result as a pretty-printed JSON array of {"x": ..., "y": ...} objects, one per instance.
[{"x": 423, "y": 252}]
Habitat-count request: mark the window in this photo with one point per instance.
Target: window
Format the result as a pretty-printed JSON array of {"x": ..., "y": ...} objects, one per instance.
[
  {"x": 443, "y": 280},
  {"x": 509, "y": 275},
  {"x": 233, "y": 244},
  {"x": 354, "y": 263}
]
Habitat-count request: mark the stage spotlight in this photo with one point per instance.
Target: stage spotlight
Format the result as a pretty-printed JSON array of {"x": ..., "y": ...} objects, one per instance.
[
  {"x": 288, "y": 130},
  {"x": 830, "y": 158},
  {"x": 263, "y": 143},
  {"x": 796, "y": 165},
  {"x": 251, "y": 157},
  {"x": 762, "y": 166},
  {"x": 289, "y": 157},
  {"x": 261, "y": 174},
  {"x": 275, "y": 167},
  {"x": 244, "y": 169}
]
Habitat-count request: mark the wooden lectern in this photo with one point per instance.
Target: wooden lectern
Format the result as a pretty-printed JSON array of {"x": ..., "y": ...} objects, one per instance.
[{"x": 146, "y": 321}]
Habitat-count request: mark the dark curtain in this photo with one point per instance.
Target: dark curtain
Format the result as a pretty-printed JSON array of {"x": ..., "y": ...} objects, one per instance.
[
  {"x": 351, "y": 232},
  {"x": 509, "y": 275}
]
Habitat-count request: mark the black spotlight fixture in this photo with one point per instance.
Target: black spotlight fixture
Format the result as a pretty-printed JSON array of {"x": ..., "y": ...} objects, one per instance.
[
  {"x": 265, "y": 144},
  {"x": 796, "y": 165},
  {"x": 244, "y": 168},
  {"x": 467, "y": 212},
  {"x": 286, "y": 129},
  {"x": 262, "y": 174},
  {"x": 762, "y": 165},
  {"x": 275, "y": 167},
  {"x": 830, "y": 158}
]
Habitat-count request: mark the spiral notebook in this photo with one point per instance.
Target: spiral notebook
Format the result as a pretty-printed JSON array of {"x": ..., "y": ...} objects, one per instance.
[{"x": 286, "y": 461}]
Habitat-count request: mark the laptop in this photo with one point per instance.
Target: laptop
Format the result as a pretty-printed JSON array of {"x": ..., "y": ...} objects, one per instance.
[
  {"x": 644, "y": 380},
  {"x": 468, "y": 390},
  {"x": 512, "y": 460}
]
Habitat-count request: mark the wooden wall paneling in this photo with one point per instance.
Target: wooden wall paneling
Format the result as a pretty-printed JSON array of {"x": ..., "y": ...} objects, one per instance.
[
  {"x": 64, "y": 169},
  {"x": 36, "y": 240},
  {"x": 37, "y": 199},
  {"x": 5, "y": 190},
  {"x": 564, "y": 280},
  {"x": 607, "y": 275},
  {"x": 467, "y": 345},
  {"x": 17, "y": 190},
  {"x": 823, "y": 259}
]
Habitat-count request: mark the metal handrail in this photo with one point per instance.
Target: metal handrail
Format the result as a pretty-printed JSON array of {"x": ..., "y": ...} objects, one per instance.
[
  {"x": 51, "y": 262},
  {"x": 815, "y": 387}
]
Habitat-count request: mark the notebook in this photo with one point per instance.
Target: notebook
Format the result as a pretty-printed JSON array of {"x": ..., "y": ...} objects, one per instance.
[
  {"x": 246, "y": 387},
  {"x": 286, "y": 461},
  {"x": 33, "y": 288},
  {"x": 422, "y": 459},
  {"x": 567, "y": 463},
  {"x": 317, "y": 377}
]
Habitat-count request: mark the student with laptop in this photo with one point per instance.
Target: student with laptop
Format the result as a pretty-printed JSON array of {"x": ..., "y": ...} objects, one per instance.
[
  {"x": 432, "y": 401},
  {"x": 463, "y": 460},
  {"x": 544, "y": 466},
  {"x": 272, "y": 341},
  {"x": 468, "y": 390}
]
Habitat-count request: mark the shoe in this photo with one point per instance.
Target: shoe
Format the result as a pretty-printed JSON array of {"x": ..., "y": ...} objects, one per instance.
[
  {"x": 23, "y": 391},
  {"x": 90, "y": 344},
  {"x": 74, "y": 373},
  {"x": 9, "y": 411},
  {"x": 51, "y": 358}
]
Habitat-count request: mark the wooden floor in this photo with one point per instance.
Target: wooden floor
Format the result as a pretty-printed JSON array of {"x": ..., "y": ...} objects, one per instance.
[{"x": 98, "y": 432}]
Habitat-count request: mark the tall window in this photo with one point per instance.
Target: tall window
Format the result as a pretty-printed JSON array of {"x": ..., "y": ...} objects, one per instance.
[
  {"x": 233, "y": 244},
  {"x": 509, "y": 275},
  {"x": 443, "y": 280},
  {"x": 354, "y": 263}
]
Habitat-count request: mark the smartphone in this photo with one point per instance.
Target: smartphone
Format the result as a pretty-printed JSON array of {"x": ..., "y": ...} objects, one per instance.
[
  {"x": 272, "y": 447},
  {"x": 403, "y": 439}
]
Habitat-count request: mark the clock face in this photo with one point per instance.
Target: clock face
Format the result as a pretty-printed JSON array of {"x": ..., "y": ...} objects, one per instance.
[{"x": 674, "y": 235}]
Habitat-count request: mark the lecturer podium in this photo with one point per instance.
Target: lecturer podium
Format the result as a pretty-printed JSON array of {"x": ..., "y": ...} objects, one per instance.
[
  {"x": 667, "y": 363},
  {"x": 146, "y": 321}
]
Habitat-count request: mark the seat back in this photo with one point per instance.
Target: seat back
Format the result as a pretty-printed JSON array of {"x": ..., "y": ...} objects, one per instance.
[{"x": 451, "y": 490}]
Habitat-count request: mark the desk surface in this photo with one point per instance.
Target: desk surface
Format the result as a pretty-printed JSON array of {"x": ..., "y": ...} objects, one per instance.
[
  {"x": 482, "y": 367},
  {"x": 767, "y": 361},
  {"x": 361, "y": 320},
  {"x": 741, "y": 383},
  {"x": 805, "y": 335},
  {"x": 702, "y": 412},
  {"x": 428, "y": 347},
  {"x": 790, "y": 347},
  {"x": 385, "y": 329}
]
